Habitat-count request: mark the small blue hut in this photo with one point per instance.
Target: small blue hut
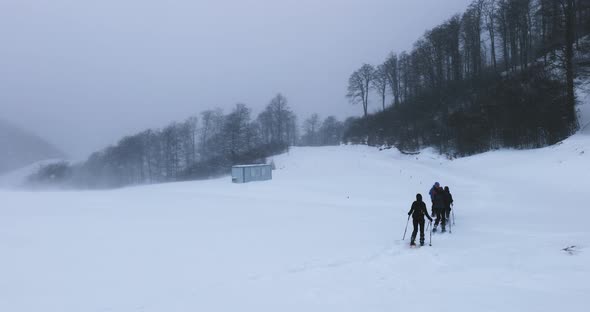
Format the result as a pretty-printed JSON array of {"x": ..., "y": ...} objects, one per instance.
[{"x": 249, "y": 173}]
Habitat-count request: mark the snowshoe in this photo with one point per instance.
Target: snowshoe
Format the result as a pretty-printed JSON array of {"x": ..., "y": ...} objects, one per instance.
[
  {"x": 443, "y": 230},
  {"x": 434, "y": 230},
  {"x": 412, "y": 244},
  {"x": 421, "y": 243}
]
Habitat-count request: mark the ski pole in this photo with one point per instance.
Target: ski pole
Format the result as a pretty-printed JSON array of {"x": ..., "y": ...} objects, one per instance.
[
  {"x": 427, "y": 230},
  {"x": 453, "y": 213},
  {"x": 450, "y": 227},
  {"x": 406, "y": 228},
  {"x": 430, "y": 243}
]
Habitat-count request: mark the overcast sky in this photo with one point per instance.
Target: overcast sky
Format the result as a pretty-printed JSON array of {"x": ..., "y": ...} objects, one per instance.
[{"x": 84, "y": 73}]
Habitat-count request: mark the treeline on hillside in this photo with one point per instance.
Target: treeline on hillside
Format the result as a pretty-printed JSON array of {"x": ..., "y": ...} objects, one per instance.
[
  {"x": 321, "y": 133},
  {"x": 499, "y": 75},
  {"x": 200, "y": 147}
]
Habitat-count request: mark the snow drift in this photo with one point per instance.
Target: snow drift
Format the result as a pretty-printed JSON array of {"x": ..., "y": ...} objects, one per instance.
[{"x": 323, "y": 235}]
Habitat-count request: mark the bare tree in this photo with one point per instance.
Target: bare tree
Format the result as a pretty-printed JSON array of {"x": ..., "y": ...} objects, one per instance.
[
  {"x": 392, "y": 73},
  {"x": 278, "y": 107},
  {"x": 471, "y": 22},
  {"x": 490, "y": 17},
  {"x": 502, "y": 16},
  {"x": 331, "y": 131},
  {"x": 359, "y": 84},
  {"x": 192, "y": 124},
  {"x": 278, "y": 122},
  {"x": 568, "y": 7},
  {"x": 404, "y": 65},
  {"x": 311, "y": 127},
  {"x": 291, "y": 132},
  {"x": 211, "y": 123},
  {"x": 380, "y": 83},
  {"x": 236, "y": 132}
]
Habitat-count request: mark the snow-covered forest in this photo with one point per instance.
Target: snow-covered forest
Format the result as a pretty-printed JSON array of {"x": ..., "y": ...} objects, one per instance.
[
  {"x": 501, "y": 74},
  {"x": 200, "y": 147}
]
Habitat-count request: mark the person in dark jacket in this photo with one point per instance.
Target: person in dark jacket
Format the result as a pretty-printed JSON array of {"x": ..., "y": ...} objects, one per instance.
[
  {"x": 418, "y": 211},
  {"x": 448, "y": 202},
  {"x": 432, "y": 192},
  {"x": 438, "y": 206}
]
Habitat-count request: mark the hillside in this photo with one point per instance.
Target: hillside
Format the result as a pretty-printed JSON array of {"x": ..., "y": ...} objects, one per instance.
[
  {"x": 19, "y": 148},
  {"x": 323, "y": 235}
]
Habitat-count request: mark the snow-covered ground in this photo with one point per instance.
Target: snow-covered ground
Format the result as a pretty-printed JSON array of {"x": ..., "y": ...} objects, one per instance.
[{"x": 323, "y": 235}]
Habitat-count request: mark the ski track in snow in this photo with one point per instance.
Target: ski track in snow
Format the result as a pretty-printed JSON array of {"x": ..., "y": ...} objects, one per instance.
[{"x": 325, "y": 234}]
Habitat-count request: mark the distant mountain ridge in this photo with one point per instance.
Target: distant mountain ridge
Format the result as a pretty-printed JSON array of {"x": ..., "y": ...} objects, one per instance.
[{"x": 19, "y": 148}]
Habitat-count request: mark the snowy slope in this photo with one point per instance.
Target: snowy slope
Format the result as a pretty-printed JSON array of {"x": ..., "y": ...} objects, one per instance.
[
  {"x": 323, "y": 235},
  {"x": 19, "y": 148},
  {"x": 17, "y": 178}
]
